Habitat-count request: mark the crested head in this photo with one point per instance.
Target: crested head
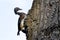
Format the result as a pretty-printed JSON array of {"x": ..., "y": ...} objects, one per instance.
[{"x": 16, "y": 9}]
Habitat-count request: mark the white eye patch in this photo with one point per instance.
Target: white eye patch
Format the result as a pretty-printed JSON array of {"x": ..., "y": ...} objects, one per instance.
[{"x": 22, "y": 11}]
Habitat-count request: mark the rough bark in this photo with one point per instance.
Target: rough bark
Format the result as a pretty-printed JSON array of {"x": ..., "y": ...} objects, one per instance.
[{"x": 43, "y": 20}]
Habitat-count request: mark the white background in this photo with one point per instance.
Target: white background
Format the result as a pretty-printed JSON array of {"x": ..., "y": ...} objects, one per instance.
[{"x": 8, "y": 19}]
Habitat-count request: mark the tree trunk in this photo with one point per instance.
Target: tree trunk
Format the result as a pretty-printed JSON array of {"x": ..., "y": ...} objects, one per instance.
[{"x": 43, "y": 20}]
